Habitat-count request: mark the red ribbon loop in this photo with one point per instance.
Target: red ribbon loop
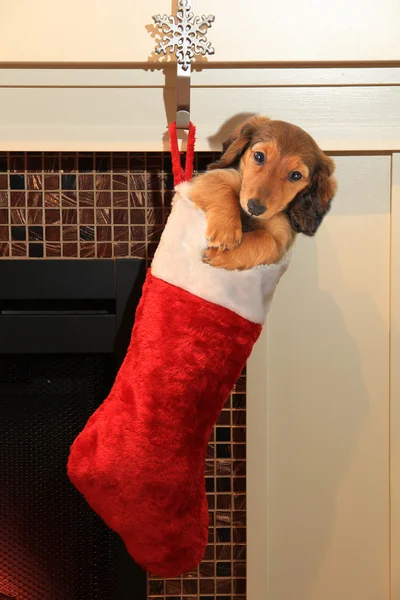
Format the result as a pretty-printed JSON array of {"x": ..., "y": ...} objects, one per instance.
[{"x": 181, "y": 174}]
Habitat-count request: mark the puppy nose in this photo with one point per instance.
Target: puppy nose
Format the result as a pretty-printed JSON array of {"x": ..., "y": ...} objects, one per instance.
[{"x": 255, "y": 208}]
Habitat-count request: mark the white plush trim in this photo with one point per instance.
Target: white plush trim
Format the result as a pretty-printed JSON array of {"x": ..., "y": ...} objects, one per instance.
[{"x": 178, "y": 261}]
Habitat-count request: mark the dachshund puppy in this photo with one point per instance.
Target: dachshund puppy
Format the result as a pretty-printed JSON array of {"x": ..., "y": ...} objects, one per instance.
[{"x": 272, "y": 182}]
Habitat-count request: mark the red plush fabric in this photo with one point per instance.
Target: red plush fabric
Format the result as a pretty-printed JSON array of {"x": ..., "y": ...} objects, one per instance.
[{"x": 140, "y": 459}]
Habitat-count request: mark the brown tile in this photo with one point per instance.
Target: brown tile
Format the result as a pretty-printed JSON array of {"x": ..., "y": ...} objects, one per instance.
[
  {"x": 52, "y": 199},
  {"x": 154, "y": 161},
  {"x": 53, "y": 250},
  {"x": 103, "y": 198},
  {"x": 155, "y": 216},
  {"x": 239, "y": 417},
  {"x": 154, "y": 232},
  {"x": 239, "y": 434},
  {"x": 103, "y": 216},
  {"x": 238, "y": 400},
  {"x": 17, "y": 162},
  {"x": 18, "y": 233},
  {"x": 68, "y": 163},
  {"x": 207, "y": 569},
  {"x": 239, "y": 552},
  {"x": 69, "y": 233},
  {"x": 86, "y": 182},
  {"x": 86, "y": 198},
  {"x": 138, "y": 216},
  {"x": 168, "y": 182},
  {"x": 209, "y": 553},
  {"x": 239, "y": 467},
  {"x": 239, "y": 535},
  {"x": 239, "y": 502},
  {"x": 239, "y": 450},
  {"x": 120, "y": 182},
  {"x": 156, "y": 587},
  {"x": 154, "y": 181},
  {"x": 224, "y": 501},
  {"x": 137, "y": 250},
  {"x": 239, "y": 569},
  {"x": 104, "y": 250},
  {"x": 18, "y": 216},
  {"x": 224, "y": 467},
  {"x": 3, "y": 199},
  {"x": 17, "y": 198},
  {"x": 103, "y": 233},
  {"x": 70, "y": 250},
  {"x": 121, "y": 234},
  {"x": 120, "y": 199},
  {"x": 240, "y": 384},
  {"x": 209, "y": 468},
  {"x": 211, "y": 501},
  {"x": 210, "y": 451},
  {"x": 189, "y": 586},
  {"x": 69, "y": 199},
  {"x": 35, "y": 216},
  {"x": 137, "y": 181},
  {"x": 223, "y": 518},
  {"x": 34, "y": 182},
  {"x": 239, "y": 518},
  {"x": 137, "y": 199},
  {"x": 121, "y": 250},
  {"x": 239, "y": 586},
  {"x": 137, "y": 161},
  {"x": 138, "y": 233},
  {"x": 239, "y": 484},
  {"x": 87, "y": 250},
  {"x": 4, "y": 249},
  {"x": 86, "y": 216},
  {"x": 86, "y": 233},
  {"x": 151, "y": 250},
  {"x": 207, "y": 586},
  {"x": 34, "y": 161},
  {"x": 51, "y": 162},
  {"x": 52, "y": 233},
  {"x": 4, "y": 233},
  {"x": 52, "y": 182},
  {"x": 69, "y": 216},
  {"x": 68, "y": 181},
  {"x": 103, "y": 161},
  {"x": 121, "y": 216},
  {"x": 34, "y": 199},
  {"x": 224, "y": 418},
  {"x": 223, "y": 586},
  {"x": 35, "y": 234},
  {"x": 103, "y": 182},
  {"x": 120, "y": 161},
  {"x": 223, "y": 552},
  {"x": 168, "y": 197},
  {"x": 173, "y": 587},
  {"x": 190, "y": 574},
  {"x": 52, "y": 216},
  {"x": 154, "y": 199},
  {"x": 3, "y": 182},
  {"x": 19, "y": 249}
]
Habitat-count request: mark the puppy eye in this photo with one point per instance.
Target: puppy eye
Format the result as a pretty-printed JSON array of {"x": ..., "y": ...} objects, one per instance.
[
  {"x": 259, "y": 157},
  {"x": 295, "y": 176}
]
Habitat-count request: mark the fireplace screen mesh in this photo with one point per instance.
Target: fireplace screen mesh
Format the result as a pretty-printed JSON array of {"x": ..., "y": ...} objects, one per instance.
[{"x": 52, "y": 546}]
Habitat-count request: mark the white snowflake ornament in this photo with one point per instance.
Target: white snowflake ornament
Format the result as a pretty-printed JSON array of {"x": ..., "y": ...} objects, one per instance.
[{"x": 184, "y": 35}]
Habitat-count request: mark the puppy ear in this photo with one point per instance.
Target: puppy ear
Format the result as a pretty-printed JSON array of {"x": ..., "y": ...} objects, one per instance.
[
  {"x": 234, "y": 148},
  {"x": 307, "y": 210}
]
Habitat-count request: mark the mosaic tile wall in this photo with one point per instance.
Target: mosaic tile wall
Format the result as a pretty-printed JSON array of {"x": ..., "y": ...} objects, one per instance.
[{"x": 102, "y": 205}]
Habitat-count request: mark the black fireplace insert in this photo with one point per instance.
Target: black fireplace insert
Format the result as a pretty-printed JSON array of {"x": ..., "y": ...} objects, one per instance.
[{"x": 64, "y": 329}]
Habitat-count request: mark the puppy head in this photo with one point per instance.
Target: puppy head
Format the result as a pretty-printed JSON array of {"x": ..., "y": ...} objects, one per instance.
[{"x": 278, "y": 162}]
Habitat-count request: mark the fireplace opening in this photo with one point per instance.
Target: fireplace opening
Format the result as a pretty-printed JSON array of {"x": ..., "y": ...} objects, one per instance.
[{"x": 64, "y": 329}]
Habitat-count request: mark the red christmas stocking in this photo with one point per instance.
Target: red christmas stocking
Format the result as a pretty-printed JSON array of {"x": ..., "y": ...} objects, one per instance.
[{"x": 139, "y": 461}]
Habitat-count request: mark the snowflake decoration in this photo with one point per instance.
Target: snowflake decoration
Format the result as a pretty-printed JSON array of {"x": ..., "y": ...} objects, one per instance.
[{"x": 185, "y": 35}]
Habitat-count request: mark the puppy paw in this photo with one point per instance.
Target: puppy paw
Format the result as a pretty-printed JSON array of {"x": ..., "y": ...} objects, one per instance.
[
  {"x": 224, "y": 236},
  {"x": 216, "y": 258}
]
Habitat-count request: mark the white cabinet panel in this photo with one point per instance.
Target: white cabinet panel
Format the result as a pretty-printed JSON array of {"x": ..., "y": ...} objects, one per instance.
[
  {"x": 324, "y": 454},
  {"x": 123, "y": 32}
]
